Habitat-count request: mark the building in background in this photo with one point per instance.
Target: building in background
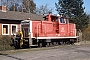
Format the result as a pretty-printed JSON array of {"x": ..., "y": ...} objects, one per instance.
[{"x": 10, "y": 20}]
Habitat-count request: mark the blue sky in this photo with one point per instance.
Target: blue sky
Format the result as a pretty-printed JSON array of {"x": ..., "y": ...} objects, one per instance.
[
  {"x": 51, "y": 3},
  {"x": 87, "y": 6}
]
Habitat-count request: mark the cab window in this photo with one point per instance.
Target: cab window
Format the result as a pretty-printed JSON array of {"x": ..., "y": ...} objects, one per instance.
[
  {"x": 62, "y": 20},
  {"x": 54, "y": 18}
]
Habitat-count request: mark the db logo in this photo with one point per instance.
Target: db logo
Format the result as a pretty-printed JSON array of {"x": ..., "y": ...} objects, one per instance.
[{"x": 62, "y": 29}]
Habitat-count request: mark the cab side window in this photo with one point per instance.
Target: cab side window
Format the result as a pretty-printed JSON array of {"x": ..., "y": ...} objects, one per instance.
[
  {"x": 62, "y": 20},
  {"x": 54, "y": 19},
  {"x": 66, "y": 21}
]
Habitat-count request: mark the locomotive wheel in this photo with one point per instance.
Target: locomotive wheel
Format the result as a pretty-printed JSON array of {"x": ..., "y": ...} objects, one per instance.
[
  {"x": 47, "y": 45},
  {"x": 54, "y": 43},
  {"x": 57, "y": 43},
  {"x": 72, "y": 41},
  {"x": 40, "y": 44},
  {"x": 17, "y": 45},
  {"x": 62, "y": 43},
  {"x": 51, "y": 44},
  {"x": 67, "y": 42}
]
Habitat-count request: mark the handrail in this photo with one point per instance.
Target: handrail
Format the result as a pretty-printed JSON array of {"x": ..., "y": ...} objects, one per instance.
[{"x": 38, "y": 29}]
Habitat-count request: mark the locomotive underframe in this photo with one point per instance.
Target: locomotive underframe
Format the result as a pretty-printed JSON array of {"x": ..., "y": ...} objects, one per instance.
[
  {"x": 51, "y": 41},
  {"x": 45, "y": 42}
]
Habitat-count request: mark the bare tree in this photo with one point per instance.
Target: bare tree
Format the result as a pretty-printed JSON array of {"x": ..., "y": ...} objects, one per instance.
[
  {"x": 29, "y": 6},
  {"x": 43, "y": 9},
  {"x": 19, "y": 5}
]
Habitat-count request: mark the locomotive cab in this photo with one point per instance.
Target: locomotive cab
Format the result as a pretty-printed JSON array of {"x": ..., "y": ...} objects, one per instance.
[{"x": 59, "y": 19}]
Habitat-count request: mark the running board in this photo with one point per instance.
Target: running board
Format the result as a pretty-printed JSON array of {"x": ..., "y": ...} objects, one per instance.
[
  {"x": 33, "y": 45},
  {"x": 57, "y": 37}
]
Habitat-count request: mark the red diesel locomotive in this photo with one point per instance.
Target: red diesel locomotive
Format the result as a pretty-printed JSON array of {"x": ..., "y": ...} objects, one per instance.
[{"x": 53, "y": 30}]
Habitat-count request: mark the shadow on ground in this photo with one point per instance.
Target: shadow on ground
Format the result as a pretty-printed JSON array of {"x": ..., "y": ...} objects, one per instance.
[{"x": 11, "y": 56}]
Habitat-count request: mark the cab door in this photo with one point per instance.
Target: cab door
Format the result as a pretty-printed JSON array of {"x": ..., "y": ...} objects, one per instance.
[{"x": 25, "y": 31}]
